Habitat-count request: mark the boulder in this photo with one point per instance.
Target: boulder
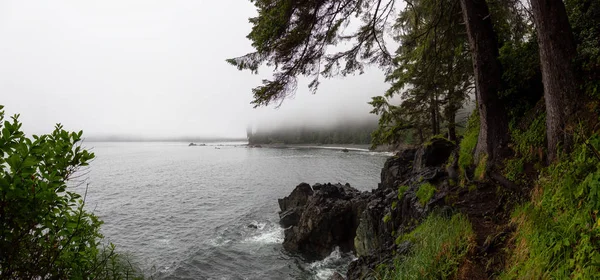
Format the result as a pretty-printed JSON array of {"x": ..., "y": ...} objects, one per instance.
[
  {"x": 297, "y": 198},
  {"x": 397, "y": 169},
  {"x": 327, "y": 220}
]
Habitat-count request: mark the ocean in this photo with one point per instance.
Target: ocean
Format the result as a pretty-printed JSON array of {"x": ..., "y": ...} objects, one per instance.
[{"x": 210, "y": 212}]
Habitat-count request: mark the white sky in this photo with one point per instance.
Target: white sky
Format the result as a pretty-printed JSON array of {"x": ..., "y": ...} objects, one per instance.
[{"x": 149, "y": 69}]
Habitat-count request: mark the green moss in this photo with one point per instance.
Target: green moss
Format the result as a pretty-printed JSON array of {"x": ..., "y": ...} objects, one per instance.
[
  {"x": 425, "y": 193},
  {"x": 436, "y": 137},
  {"x": 394, "y": 205},
  {"x": 439, "y": 246},
  {"x": 401, "y": 191},
  {"x": 558, "y": 232},
  {"x": 451, "y": 182},
  {"x": 387, "y": 218},
  {"x": 468, "y": 143},
  {"x": 480, "y": 169}
]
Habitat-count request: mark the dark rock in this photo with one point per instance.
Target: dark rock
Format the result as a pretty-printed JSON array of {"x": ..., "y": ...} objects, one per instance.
[
  {"x": 252, "y": 226},
  {"x": 363, "y": 267},
  {"x": 336, "y": 276},
  {"x": 345, "y": 150},
  {"x": 434, "y": 153},
  {"x": 328, "y": 220},
  {"x": 297, "y": 198},
  {"x": 289, "y": 218},
  {"x": 397, "y": 169}
]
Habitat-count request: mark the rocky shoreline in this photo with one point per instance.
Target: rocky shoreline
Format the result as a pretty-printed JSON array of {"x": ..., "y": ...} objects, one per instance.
[{"x": 320, "y": 218}]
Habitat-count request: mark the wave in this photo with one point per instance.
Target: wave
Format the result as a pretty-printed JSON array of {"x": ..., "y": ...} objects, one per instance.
[
  {"x": 333, "y": 263},
  {"x": 266, "y": 235}
]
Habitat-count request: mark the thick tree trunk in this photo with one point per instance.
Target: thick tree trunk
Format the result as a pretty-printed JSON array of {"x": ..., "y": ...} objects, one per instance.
[
  {"x": 557, "y": 51},
  {"x": 493, "y": 133}
]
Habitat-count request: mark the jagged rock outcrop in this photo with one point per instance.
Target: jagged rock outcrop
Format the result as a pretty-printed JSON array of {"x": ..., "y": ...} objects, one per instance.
[
  {"x": 397, "y": 169},
  {"x": 328, "y": 217},
  {"x": 325, "y": 216}
]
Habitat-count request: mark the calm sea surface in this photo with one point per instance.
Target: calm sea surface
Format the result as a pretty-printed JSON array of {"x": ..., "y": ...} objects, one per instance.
[{"x": 184, "y": 212}]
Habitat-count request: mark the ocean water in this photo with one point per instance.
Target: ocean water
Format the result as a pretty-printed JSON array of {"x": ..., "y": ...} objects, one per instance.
[{"x": 210, "y": 212}]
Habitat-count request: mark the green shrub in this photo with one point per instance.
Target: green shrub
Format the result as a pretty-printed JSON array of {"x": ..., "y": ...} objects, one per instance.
[
  {"x": 530, "y": 144},
  {"x": 439, "y": 247},
  {"x": 558, "y": 232},
  {"x": 425, "y": 193},
  {"x": 44, "y": 231}
]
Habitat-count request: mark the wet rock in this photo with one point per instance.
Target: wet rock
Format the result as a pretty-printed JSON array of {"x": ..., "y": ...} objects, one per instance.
[
  {"x": 397, "y": 169},
  {"x": 289, "y": 218},
  {"x": 297, "y": 198},
  {"x": 336, "y": 276},
  {"x": 328, "y": 220}
]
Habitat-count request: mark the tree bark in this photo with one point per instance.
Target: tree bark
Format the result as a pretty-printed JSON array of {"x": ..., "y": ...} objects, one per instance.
[
  {"x": 451, "y": 117},
  {"x": 493, "y": 132},
  {"x": 557, "y": 51},
  {"x": 434, "y": 117}
]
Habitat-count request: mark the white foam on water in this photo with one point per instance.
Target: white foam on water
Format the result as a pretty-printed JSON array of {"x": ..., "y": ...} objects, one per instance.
[
  {"x": 323, "y": 268},
  {"x": 268, "y": 236}
]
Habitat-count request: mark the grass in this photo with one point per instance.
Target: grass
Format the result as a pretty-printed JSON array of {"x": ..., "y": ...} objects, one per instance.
[
  {"x": 558, "y": 232},
  {"x": 468, "y": 143},
  {"x": 480, "y": 169},
  {"x": 425, "y": 193},
  {"x": 401, "y": 191},
  {"x": 440, "y": 245}
]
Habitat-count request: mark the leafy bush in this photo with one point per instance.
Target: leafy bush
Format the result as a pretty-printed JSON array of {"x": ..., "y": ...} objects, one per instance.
[
  {"x": 425, "y": 193},
  {"x": 44, "y": 230},
  {"x": 530, "y": 143},
  {"x": 439, "y": 247}
]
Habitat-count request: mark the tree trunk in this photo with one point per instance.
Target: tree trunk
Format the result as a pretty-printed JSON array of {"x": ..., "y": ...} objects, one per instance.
[
  {"x": 451, "y": 116},
  {"x": 434, "y": 117},
  {"x": 557, "y": 51},
  {"x": 493, "y": 133}
]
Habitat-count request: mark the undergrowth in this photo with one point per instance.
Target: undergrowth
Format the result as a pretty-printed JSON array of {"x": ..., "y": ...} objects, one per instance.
[
  {"x": 468, "y": 144},
  {"x": 558, "y": 232},
  {"x": 425, "y": 193},
  {"x": 439, "y": 245}
]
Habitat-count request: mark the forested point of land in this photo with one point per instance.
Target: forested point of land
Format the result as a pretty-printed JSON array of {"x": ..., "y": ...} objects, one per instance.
[{"x": 341, "y": 134}]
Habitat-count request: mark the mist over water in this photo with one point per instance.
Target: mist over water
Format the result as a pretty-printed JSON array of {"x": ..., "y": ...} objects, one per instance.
[{"x": 207, "y": 213}]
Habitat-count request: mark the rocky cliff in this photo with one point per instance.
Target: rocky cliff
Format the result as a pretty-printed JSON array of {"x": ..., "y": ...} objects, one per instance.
[{"x": 319, "y": 218}]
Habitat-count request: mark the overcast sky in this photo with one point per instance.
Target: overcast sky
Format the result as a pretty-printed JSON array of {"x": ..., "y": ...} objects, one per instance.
[{"x": 148, "y": 68}]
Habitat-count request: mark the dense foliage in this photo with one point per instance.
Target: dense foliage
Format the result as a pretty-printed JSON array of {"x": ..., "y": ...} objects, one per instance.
[{"x": 45, "y": 233}]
